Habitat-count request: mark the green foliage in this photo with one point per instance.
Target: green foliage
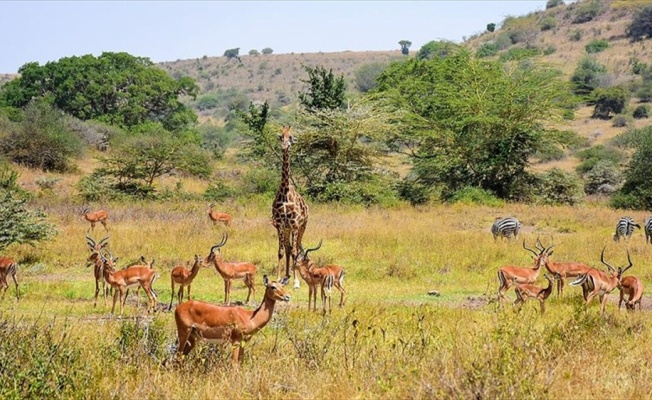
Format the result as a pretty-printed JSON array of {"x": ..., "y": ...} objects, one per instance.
[
  {"x": 570, "y": 139},
  {"x": 366, "y": 75},
  {"x": 641, "y": 25},
  {"x": 587, "y": 75},
  {"x": 587, "y": 11},
  {"x": 474, "y": 195},
  {"x": 592, "y": 156},
  {"x": 596, "y": 46},
  {"x": 325, "y": 91},
  {"x": 549, "y": 50},
  {"x": 42, "y": 140},
  {"x": 609, "y": 101},
  {"x": 619, "y": 121},
  {"x": 437, "y": 48},
  {"x": 117, "y": 88},
  {"x": 548, "y": 23},
  {"x": 405, "y": 46},
  {"x": 95, "y": 134},
  {"x": 487, "y": 49},
  {"x": 140, "y": 338},
  {"x": 413, "y": 191},
  {"x": 218, "y": 192},
  {"x": 549, "y": 153},
  {"x": 603, "y": 178},
  {"x": 559, "y": 187},
  {"x": 254, "y": 52},
  {"x": 636, "y": 192},
  {"x": 232, "y": 53},
  {"x": 641, "y": 111},
  {"x": 519, "y": 53},
  {"x": 491, "y": 27},
  {"x": 644, "y": 92},
  {"x": 261, "y": 181},
  {"x": 638, "y": 67},
  {"x": 20, "y": 225},
  {"x": 458, "y": 138},
  {"x": 267, "y": 50},
  {"x": 575, "y": 35},
  {"x": 216, "y": 139},
  {"x": 554, "y": 3}
]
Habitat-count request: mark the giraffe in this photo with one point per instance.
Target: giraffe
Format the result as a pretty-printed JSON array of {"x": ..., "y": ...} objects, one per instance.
[{"x": 289, "y": 211}]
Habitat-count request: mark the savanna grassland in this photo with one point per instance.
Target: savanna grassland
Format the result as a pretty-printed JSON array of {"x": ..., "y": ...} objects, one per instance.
[{"x": 391, "y": 340}]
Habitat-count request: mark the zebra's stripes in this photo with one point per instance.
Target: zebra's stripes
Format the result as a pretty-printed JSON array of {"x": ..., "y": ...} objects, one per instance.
[
  {"x": 625, "y": 228},
  {"x": 648, "y": 230},
  {"x": 505, "y": 227}
]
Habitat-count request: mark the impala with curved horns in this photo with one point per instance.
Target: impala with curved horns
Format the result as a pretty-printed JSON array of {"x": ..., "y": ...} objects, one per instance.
[
  {"x": 230, "y": 271},
  {"x": 8, "y": 267},
  {"x": 597, "y": 283},
  {"x": 98, "y": 265},
  {"x": 218, "y": 216},
  {"x": 226, "y": 324},
  {"x": 122, "y": 280},
  {"x": 94, "y": 217},
  {"x": 509, "y": 275},
  {"x": 562, "y": 270},
  {"x": 326, "y": 277}
]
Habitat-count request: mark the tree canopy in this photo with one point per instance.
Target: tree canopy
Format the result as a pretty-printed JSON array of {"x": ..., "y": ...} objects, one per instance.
[{"x": 117, "y": 88}]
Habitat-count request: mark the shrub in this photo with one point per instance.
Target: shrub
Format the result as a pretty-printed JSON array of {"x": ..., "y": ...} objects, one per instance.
[
  {"x": 587, "y": 76},
  {"x": 519, "y": 53},
  {"x": 267, "y": 50},
  {"x": 641, "y": 111},
  {"x": 491, "y": 27},
  {"x": 261, "y": 181},
  {"x": 638, "y": 67},
  {"x": 550, "y": 153},
  {"x": 474, "y": 195},
  {"x": 559, "y": 187},
  {"x": 603, "y": 178},
  {"x": 413, "y": 191},
  {"x": 548, "y": 23},
  {"x": 575, "y": 35},
  {"x": 641, "y": 25},
  {"x": 619, "y": 121},
  {"x": 218, "y": 192},
  {"x": 366, "y": 75},
  {"x": 644, "y": 93},
  {"x": 253, "y": 52},
  {"x": 637, "y": 188},
  {"x": 609, "y": 101},
  {"x": 20, "y": 225},
  {"x": 591, "y": 156},
  {"x": 487, "y": 49},
  {"x": 587, "y": 11},
  {"x": 549, "y": 50},
  {"x": 554, "y": 3},
  {"x": 596, "y": 46}
]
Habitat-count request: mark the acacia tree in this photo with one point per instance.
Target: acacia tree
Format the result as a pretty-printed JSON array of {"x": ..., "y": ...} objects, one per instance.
[
  {"x": 470, "y": 122},
  {"x": 117, "y": 88},
  {"x": 325, "y": 91},
  {"x": 405, "y": 46}
]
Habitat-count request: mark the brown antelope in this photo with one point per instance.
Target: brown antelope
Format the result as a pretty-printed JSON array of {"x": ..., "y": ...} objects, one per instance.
[
  {"x": 98, "y": 265},
  {"x": 94, "y": 217},
  {"x": 562, "y": 270},
  {"x": 8, "y": 267},
  {"x": 231, "y": 270},
  {"x": 326, "y": 277},
  {"x": 597, "y": 283},
  {"x": 226, "y": 324},
  {"x": 527, "y": 291},
  {"x": 137, "y": 275},
  {"x": 633, "y": 287},
  {"x": 509, "y": 275},
  {"x": 184, "y": 277},
  {"x": 218, "y": 217}
]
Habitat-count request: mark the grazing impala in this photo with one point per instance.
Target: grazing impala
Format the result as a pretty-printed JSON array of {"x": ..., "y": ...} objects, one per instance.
[
  {"x": 598, "y": 283},
  {"x": 226, "y": 324},
  {"x": 184, "y": 277},
  {"x": 94, "y": 217},
  {"x": 326, "y": 277},
  {"x": 508, "y": 276},
  {"x": 138, "y": 275},
  {"x": 632, "y": 287},
  {"x": 8, "y": 267},
  {"x": 562, "y": 270},
  {"x": 98, "y": 265},
  {"x": 231, "y": 270},
  {"x": 528, "y": 291},
  {"x": 218, "y": 217}
]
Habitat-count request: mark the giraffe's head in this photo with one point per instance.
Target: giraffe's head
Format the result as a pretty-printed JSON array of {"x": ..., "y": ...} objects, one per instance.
[{"x": 286, "y": 137}]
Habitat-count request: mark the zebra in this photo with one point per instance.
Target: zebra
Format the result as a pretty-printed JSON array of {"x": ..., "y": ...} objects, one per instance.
[
  {"x": 648, "y": 230},
  {"x": 506, "y": 227},
  {"x": 625, "y": 228}
]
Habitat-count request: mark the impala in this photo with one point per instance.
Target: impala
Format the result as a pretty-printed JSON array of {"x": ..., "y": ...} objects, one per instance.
[
  {"x": 218, "y": 217},
  {"x": 633, "y": 287},
  {"x": 98, "y": 265},
  {"x": 231, "y": 270},
  {"x": 562, "y": 270},
  {"x": 528, "y": 291},
  {"x": 184, "y": 277},
  {"x": 226, "y": 324},
  {"x": 326, "y": 277},
  {"x": 598, "y": 283},
  {"x": 8, "y": 267},
  {"x": 94, "y": 217},
  {"x": 121, "y": 281},
  {"x": 508, "y": 276}
]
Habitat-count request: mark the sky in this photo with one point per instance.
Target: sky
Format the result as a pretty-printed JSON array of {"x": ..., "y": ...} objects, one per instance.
[{"x": 44, "y": 31}]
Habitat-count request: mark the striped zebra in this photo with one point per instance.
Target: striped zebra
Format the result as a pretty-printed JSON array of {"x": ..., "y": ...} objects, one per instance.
[
  {"x": 506, "y": 227},
  {"x": 625, "y": 228},
  {"x": 648, "y": 230}
]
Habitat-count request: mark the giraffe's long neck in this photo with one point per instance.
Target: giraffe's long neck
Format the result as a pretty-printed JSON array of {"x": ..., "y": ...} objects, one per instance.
[{"x": 285, "y": 173}]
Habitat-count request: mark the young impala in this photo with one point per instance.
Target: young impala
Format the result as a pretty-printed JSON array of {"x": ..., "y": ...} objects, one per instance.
[
  {"x": 231, "y": 270},
  {"x": 8, "y": 267},
  {"x": 325, "y": 277},
  {"x": 184, "y": 277},
  {"x": 632, "y": 287},
  {"x": 94, "y": 217},
  {"x": 598, "y": 283},
  {"x": 226, "y": 324},
  {"x": 98, "y": 265},
  {"x": 122, "y": 280},
  {"x": 218, "y": 216},
  {"x": 508, "y": 276},
  {"x": 528, "y": 291}
]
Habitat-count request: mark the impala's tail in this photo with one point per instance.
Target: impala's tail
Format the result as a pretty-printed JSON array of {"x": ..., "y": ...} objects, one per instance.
[
  {"x": 151, "y": 286},
  {"x": 340, "y": 279},
  {"x": 580, "y": 279}
]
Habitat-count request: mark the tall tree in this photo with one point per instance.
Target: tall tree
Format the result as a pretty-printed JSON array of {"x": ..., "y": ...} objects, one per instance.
[
  {"x": 117, "y": 88},
  {"x": 325, "y": 91}
]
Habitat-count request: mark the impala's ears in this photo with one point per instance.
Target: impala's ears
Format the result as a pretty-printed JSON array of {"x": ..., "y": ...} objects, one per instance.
[
  {"x": 265, "y": 281},
  {"x": 285, "y": 280}
]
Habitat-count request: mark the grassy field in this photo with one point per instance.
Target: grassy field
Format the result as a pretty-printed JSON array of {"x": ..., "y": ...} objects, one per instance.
[{"x": 391, "y": 340}]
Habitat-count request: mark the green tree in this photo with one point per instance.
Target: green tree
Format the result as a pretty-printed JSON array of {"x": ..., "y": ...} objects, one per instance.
[
  {"x": 232, "y": 54},
  {"x": 470, "y": 122},
  {"x": 267, "y": 50},
  {"x": 253, "y": 52},
  {"x": 636, "y": 192},
  {"x": 436, "y": 48},
  {"x": 405, "y": 46},
  {"x": 117, "y": 88},
  {"x": 554, "y": 3},
  {"x": 325, "y": 91},
  {"x": 587, "y": 76},
  {"x": 366, "y": 75},
  {"x": 609, "y": 101},
  {"x": 641, "y": 25},
  {"x": 491, "y": 27}
]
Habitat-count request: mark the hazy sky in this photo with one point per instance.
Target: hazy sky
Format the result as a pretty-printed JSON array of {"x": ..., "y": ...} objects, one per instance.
[{"x": 169, "y": 30}]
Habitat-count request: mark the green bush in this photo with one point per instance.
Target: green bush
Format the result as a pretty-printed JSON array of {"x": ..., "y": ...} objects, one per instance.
[
  {"x": 414, "y": 192},
  {"x": 641, "y": 25},
  {"x": 641, "y": 111},
  {"x": 365, "y": 76},
  {"x": 586, "y": 77},
  {"x": 487, "y": 49},
  {"x": 519, "y": 53},
  {"x": 559, "y": 187},
  {"x": 549, "y": 50},
  {"x": 609, "y": 101},
  {"x": 603, "y": 178},
  {"x": 474, "y": 195},
  {"x": 575, "y": 35},
  {"x": 554, "y": 3},
  {"x": 591, "y": 156},
  {"x": 644, "y": 93},
  {"x": 550, "y": 153},
  {"x": 636, "y": 191},
  {"x": 619, "y": 121},
  {"x": 261, "y": 181},
  {"x": 587, "y": 11},
  {"x": 372, "y": 191},
  {"x": 596, "y": 46},
  {"x": 548, "y": 23},
  {"x": 218, "y": 192}
]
